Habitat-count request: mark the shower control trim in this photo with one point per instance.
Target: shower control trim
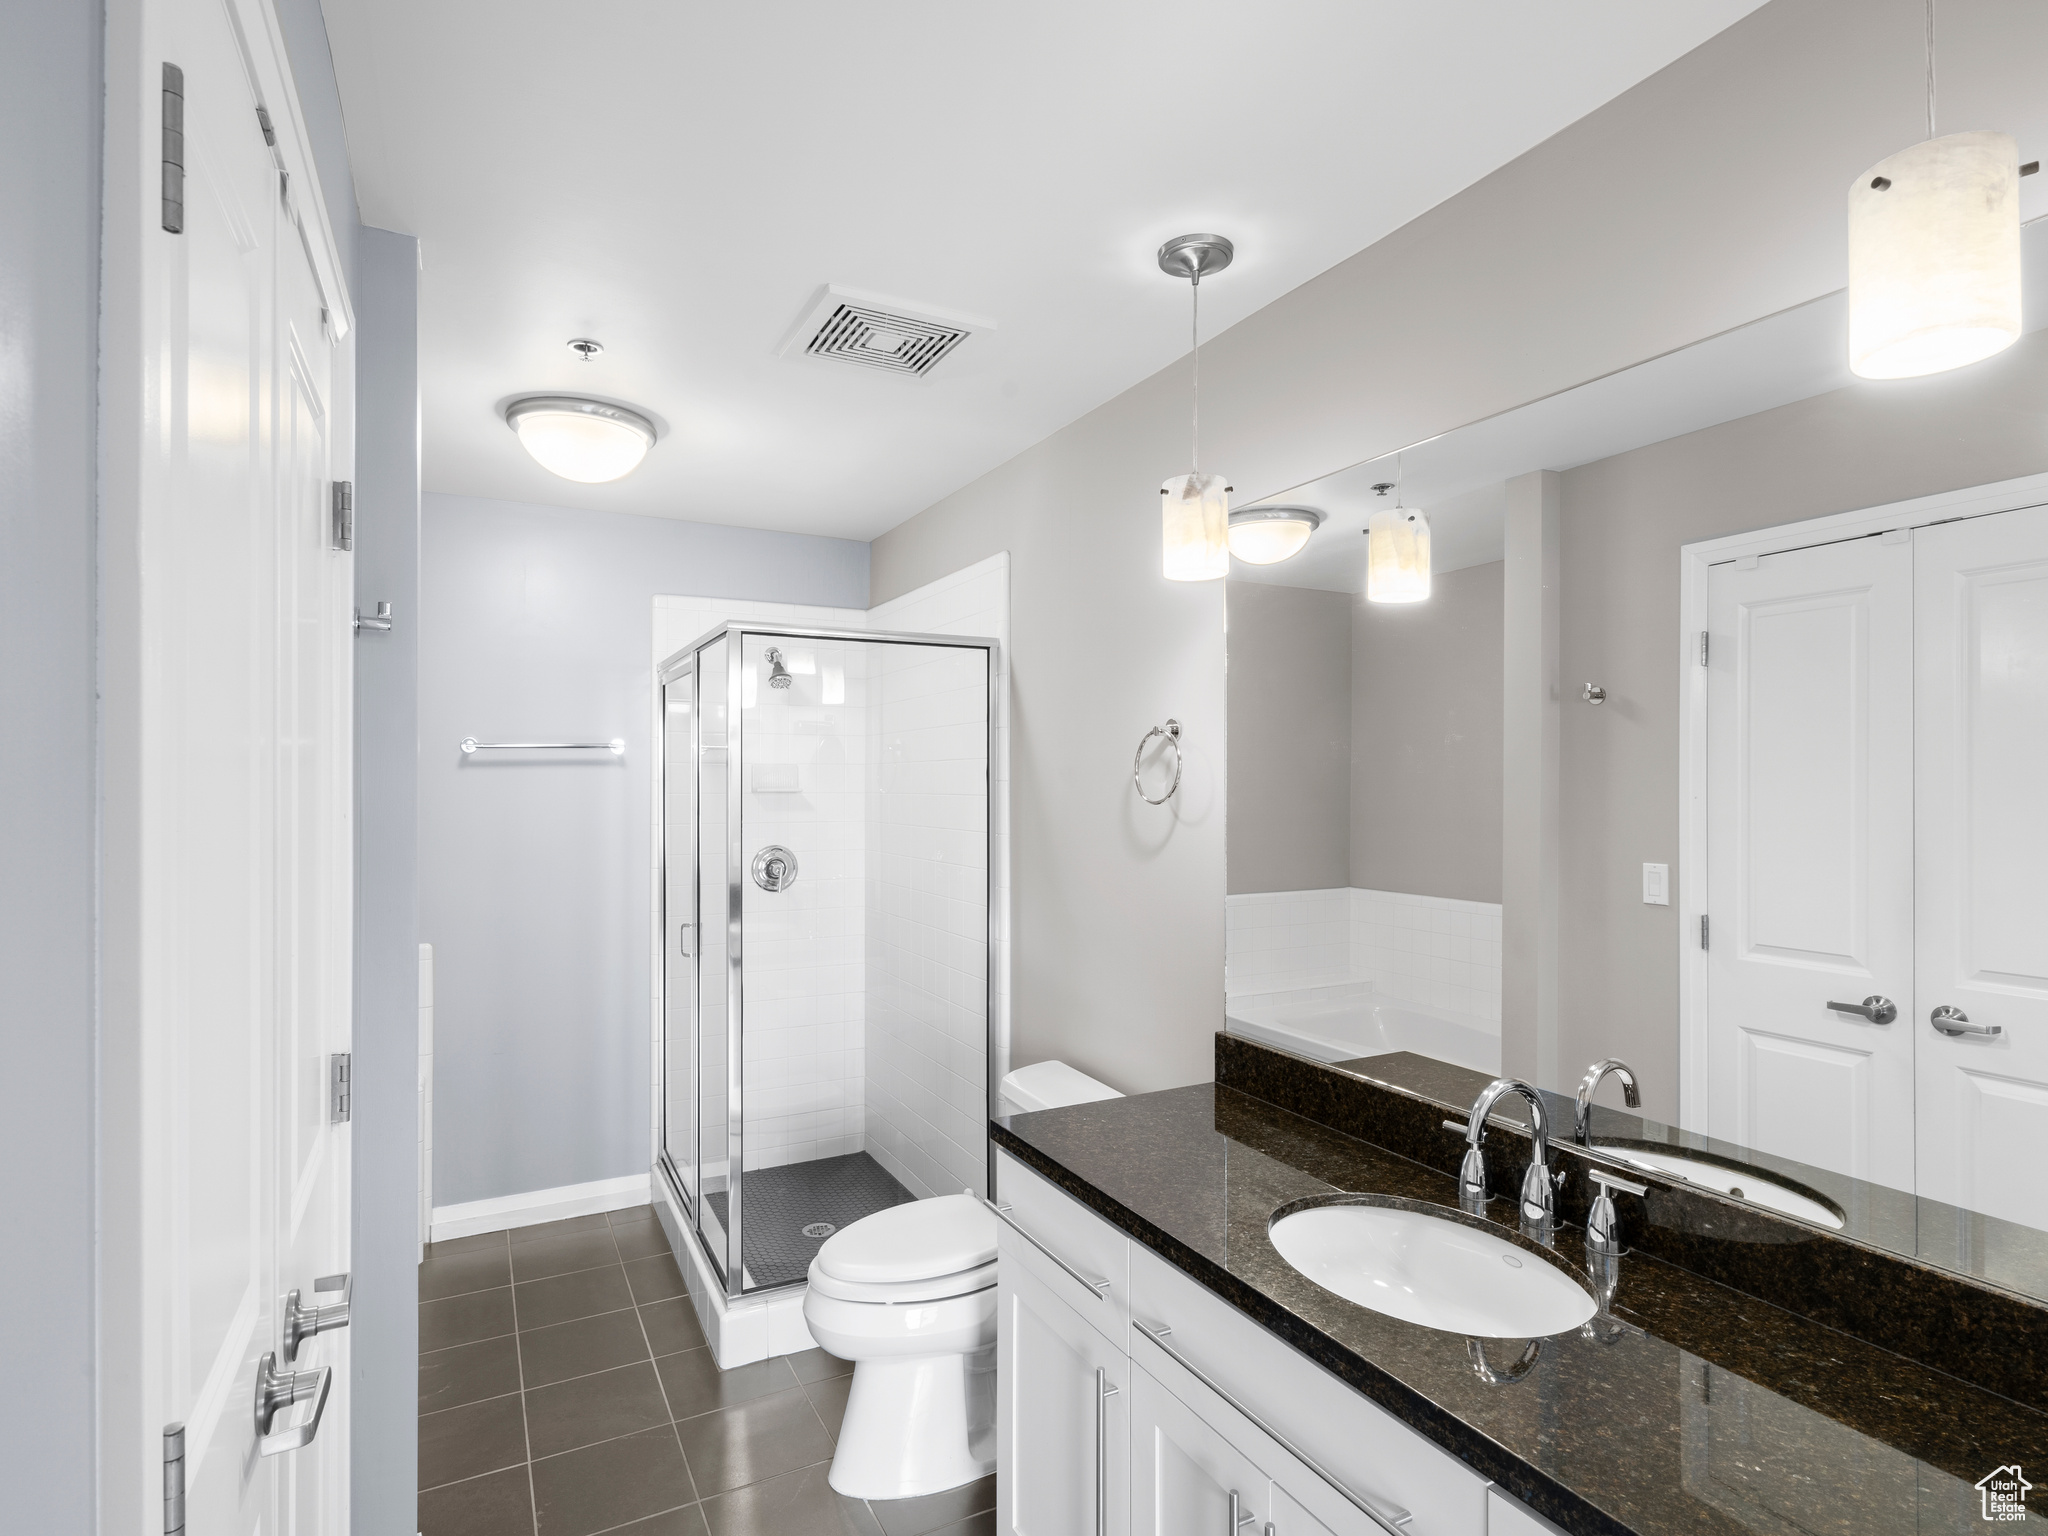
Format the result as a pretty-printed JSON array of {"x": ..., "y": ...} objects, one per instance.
[{"x": 775, "y": 868}]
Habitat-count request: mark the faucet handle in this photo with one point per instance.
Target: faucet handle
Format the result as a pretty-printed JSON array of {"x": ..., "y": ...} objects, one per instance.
[
  {"x": 1456, "y": 1129},
  {"x": 1609, "y": 1182}
]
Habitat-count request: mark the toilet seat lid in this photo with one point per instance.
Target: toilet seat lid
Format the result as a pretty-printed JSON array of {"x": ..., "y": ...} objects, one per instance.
[
  {"x": 892, "y": 1293},
  {"x": 922, "y": 1240}
]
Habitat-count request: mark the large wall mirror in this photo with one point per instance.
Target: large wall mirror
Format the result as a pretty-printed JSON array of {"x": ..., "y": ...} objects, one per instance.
[{"x": 1718, "y": 746}]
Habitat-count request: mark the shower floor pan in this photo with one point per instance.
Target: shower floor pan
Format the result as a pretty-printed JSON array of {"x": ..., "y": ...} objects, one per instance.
[{"x": 822, "y": 1196}]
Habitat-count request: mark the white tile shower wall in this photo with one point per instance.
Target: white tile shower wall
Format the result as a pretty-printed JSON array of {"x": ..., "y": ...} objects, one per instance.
[
  {"x": 1427, "y": 949},
  {"x": 930, "y": 942}
]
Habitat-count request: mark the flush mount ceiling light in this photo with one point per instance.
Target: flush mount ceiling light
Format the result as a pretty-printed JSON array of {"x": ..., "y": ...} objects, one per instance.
[
  {"x": 1396, "y": 552},
  {"x": 1195, "y": 508},
  {"x": 578, "y": 439},
  {"x": 1934, "y": 252},
  {"x": 1268, "y": 535}
]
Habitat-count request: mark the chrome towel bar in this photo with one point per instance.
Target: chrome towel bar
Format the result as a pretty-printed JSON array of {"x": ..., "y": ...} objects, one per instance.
[{"x": 615, "y": 746}]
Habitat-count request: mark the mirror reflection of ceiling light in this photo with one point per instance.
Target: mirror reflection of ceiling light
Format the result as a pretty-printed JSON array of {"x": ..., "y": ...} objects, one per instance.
[
  {"x": 1934, "y": 252},
  {"x": 1396, "y": 552},
  {"x": 1195, "y": 508},
  {"x": 1268, "y": 535},
  {"x": 578, "y": 439}
]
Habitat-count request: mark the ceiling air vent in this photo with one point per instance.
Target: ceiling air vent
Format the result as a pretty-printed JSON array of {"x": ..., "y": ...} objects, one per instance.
[{"x": 848, "y": 326}]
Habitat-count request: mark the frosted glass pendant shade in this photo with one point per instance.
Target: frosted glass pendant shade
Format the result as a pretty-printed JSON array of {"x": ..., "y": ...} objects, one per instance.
[
  {"x": 1934, "y": 256},
  {"x": 1194, "y": 513},
  {"x": 1397, "y": 556},
  {"x": 584, "y": 440}
]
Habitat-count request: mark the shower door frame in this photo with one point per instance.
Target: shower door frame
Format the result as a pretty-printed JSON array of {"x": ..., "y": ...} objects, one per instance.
[{"x": 735, "y": 633}]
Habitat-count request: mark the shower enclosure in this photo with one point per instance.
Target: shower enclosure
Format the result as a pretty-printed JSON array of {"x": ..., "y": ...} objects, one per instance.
[{"x": 826, "y": 848}]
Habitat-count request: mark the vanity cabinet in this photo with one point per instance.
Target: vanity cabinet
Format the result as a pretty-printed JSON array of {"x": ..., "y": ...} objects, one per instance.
[
  {"x": 1063, "y": 1413},
  {"x": 1134, "y": 1402}
]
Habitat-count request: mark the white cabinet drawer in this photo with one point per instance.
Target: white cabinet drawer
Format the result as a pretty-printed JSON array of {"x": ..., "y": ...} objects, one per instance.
[
  {"x": 1355, "y": 1443},
  {"x": 1075, "y": 1252}
]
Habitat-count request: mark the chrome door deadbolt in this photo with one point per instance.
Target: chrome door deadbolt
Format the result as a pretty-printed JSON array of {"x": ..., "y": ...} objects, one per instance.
[
  {"x": 302, "y": 1323},
  {"x": 775, "y": 868}
]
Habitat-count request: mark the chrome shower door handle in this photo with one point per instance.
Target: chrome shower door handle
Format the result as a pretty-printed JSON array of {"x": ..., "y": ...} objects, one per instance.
[
  {"x": 1879, "y": 1010},
  {"x": 1955, "y": 1023}
]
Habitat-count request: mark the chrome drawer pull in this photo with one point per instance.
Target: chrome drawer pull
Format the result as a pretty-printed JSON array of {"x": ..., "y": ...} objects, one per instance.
[
  {"x": 1103, "y": 1393},
  {"x": 1389, "y": 1520},
  {"x": 1097, "y": 1288}
]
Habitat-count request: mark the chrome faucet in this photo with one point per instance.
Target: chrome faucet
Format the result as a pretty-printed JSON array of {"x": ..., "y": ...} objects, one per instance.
[
  {"x": 1539, "y": 1189},
  {"x": 1582, "y": 1119}
]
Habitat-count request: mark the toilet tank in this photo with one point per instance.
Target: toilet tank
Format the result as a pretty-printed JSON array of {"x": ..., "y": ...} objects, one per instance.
[{"x": 1049, "y": 1085}]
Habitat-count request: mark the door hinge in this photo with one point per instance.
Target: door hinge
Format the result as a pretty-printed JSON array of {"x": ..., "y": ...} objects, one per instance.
[
  {"x": 337, "y": 1088},
  {"x": 344, "y": 514},
  {"x": 263, "y": 122},
  {"x": 1703, "y": 930},
  {"x": 1703, "y": 647},
  {"x": 174, "y": 150},
  {"x": 174, "y": 1480}
]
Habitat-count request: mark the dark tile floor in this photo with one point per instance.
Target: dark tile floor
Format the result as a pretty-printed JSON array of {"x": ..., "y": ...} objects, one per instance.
[{"x": 566, "y": 1390}]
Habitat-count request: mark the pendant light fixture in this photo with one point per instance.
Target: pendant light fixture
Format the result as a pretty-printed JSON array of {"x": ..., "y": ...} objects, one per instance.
[
  {"x": 1934, "y": 252},
  {"x": 1268, "y": 535},
  {"x": 1195, "y": 508},
  {"x": 1396, "y": 550}
]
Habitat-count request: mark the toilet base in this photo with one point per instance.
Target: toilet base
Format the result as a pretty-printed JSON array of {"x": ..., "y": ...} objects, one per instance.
[{"x": 917, "y": 1425}]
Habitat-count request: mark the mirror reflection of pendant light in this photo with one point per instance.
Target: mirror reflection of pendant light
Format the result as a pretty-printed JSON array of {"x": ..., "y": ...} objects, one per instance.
[
  {"x": 1934, "y": 252},
  {"x": 1396, "y": 550},
  {"x": 1195, "y": 508},
  {"x": 1268, "y": 535}
]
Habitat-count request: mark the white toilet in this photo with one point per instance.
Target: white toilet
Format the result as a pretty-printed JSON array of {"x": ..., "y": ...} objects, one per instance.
[{"x": 909, "y": 1296}]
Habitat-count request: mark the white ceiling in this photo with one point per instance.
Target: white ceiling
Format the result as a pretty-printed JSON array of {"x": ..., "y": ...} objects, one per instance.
[
  {"x": 1459, "y": 478},
  {"x": 676, "y": 180}
]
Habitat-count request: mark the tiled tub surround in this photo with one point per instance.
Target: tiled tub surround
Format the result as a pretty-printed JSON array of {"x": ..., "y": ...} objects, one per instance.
[
  {"x": 1895, "y": 1277},
  {"x": 1430, "y": 950},
  {"x": 1724, "y": 1414},
  {"x": 565, "y": 1390}
]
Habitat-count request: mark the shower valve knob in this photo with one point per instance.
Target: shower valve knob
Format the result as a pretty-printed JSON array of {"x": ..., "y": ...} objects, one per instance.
[{"x": 775, "y": 868}]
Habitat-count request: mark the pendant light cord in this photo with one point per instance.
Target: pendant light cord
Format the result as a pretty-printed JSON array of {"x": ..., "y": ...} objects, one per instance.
[
  {"x": 1195, "y": 340},
  {"x": 1930, "y": 68}
]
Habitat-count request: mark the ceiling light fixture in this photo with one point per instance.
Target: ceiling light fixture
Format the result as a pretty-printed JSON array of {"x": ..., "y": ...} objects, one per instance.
[
  {"x": 1268, "y": 535},
  {"x": 584, "y": 440},
  {"x": 1397, "y": 550},
  {"x": 1934, "y": 252},
  {"x": 1195, "y": 508}
]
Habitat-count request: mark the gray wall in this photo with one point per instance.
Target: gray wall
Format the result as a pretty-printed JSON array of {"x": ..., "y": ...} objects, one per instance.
[
  {"x": 1290, "y": 701},
  {"x": 50, "y": 93},
  {"x": 536, "y": 625},
  {"x": 1614, "y": 241},
  {"x": 1624, "y": 519},
  {"x": 384, "y": 1108},
  {"x": 1426, "y": 740}
]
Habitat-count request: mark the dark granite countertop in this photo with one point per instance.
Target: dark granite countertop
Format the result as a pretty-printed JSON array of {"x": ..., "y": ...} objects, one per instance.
[{"x": 1724, "y": 1414}]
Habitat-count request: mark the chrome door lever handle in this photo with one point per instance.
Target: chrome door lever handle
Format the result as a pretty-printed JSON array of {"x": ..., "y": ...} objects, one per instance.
[
  {"x": 1879, "y": 1010},
  {"x": 276, "y": 1391},
  {"x": 302, "y": 1323},
  {"x": 1954, "y": 1023}
]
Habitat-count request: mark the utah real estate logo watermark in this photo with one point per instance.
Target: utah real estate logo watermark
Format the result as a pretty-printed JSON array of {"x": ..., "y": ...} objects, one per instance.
[{"x": 2005, "y": 1494}]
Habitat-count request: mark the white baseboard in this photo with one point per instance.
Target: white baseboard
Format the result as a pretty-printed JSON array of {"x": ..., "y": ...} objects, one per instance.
[{"x": 537, "y": 1206}]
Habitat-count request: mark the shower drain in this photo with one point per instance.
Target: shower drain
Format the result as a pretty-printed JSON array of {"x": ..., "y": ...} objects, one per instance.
[{"x": 820, "y": 1229}]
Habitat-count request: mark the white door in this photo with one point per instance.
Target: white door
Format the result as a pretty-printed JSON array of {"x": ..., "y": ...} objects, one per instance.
[
  {"x": 1063, "y": 1415},
  {"x": 1810, "y": 855},
  {"x": 1185, "y": 1477},
  {"x": 228, "y": 842},
  {"x": 1981, "y": 636}
]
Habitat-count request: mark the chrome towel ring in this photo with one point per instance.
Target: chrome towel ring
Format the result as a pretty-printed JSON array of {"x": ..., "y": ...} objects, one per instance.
[{"x": 1171, "y": 731}]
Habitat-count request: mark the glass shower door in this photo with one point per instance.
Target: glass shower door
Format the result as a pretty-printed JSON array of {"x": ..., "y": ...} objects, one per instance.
[
  {"x": 717, "y": 922},
  {"x": 679, "y": 928}
]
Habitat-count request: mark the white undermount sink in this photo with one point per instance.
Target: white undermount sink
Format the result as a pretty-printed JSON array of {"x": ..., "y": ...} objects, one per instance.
[
  {"x": 1434, "y": 1269},
  {"x": 1743, "y": 1183}
]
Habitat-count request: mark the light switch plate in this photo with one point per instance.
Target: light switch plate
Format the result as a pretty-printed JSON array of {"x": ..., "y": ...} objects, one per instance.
[{"x": 1657, "y": 885}]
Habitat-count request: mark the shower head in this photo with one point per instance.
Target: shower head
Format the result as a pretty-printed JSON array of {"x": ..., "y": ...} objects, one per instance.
[{"x": 778, "y": 674}]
